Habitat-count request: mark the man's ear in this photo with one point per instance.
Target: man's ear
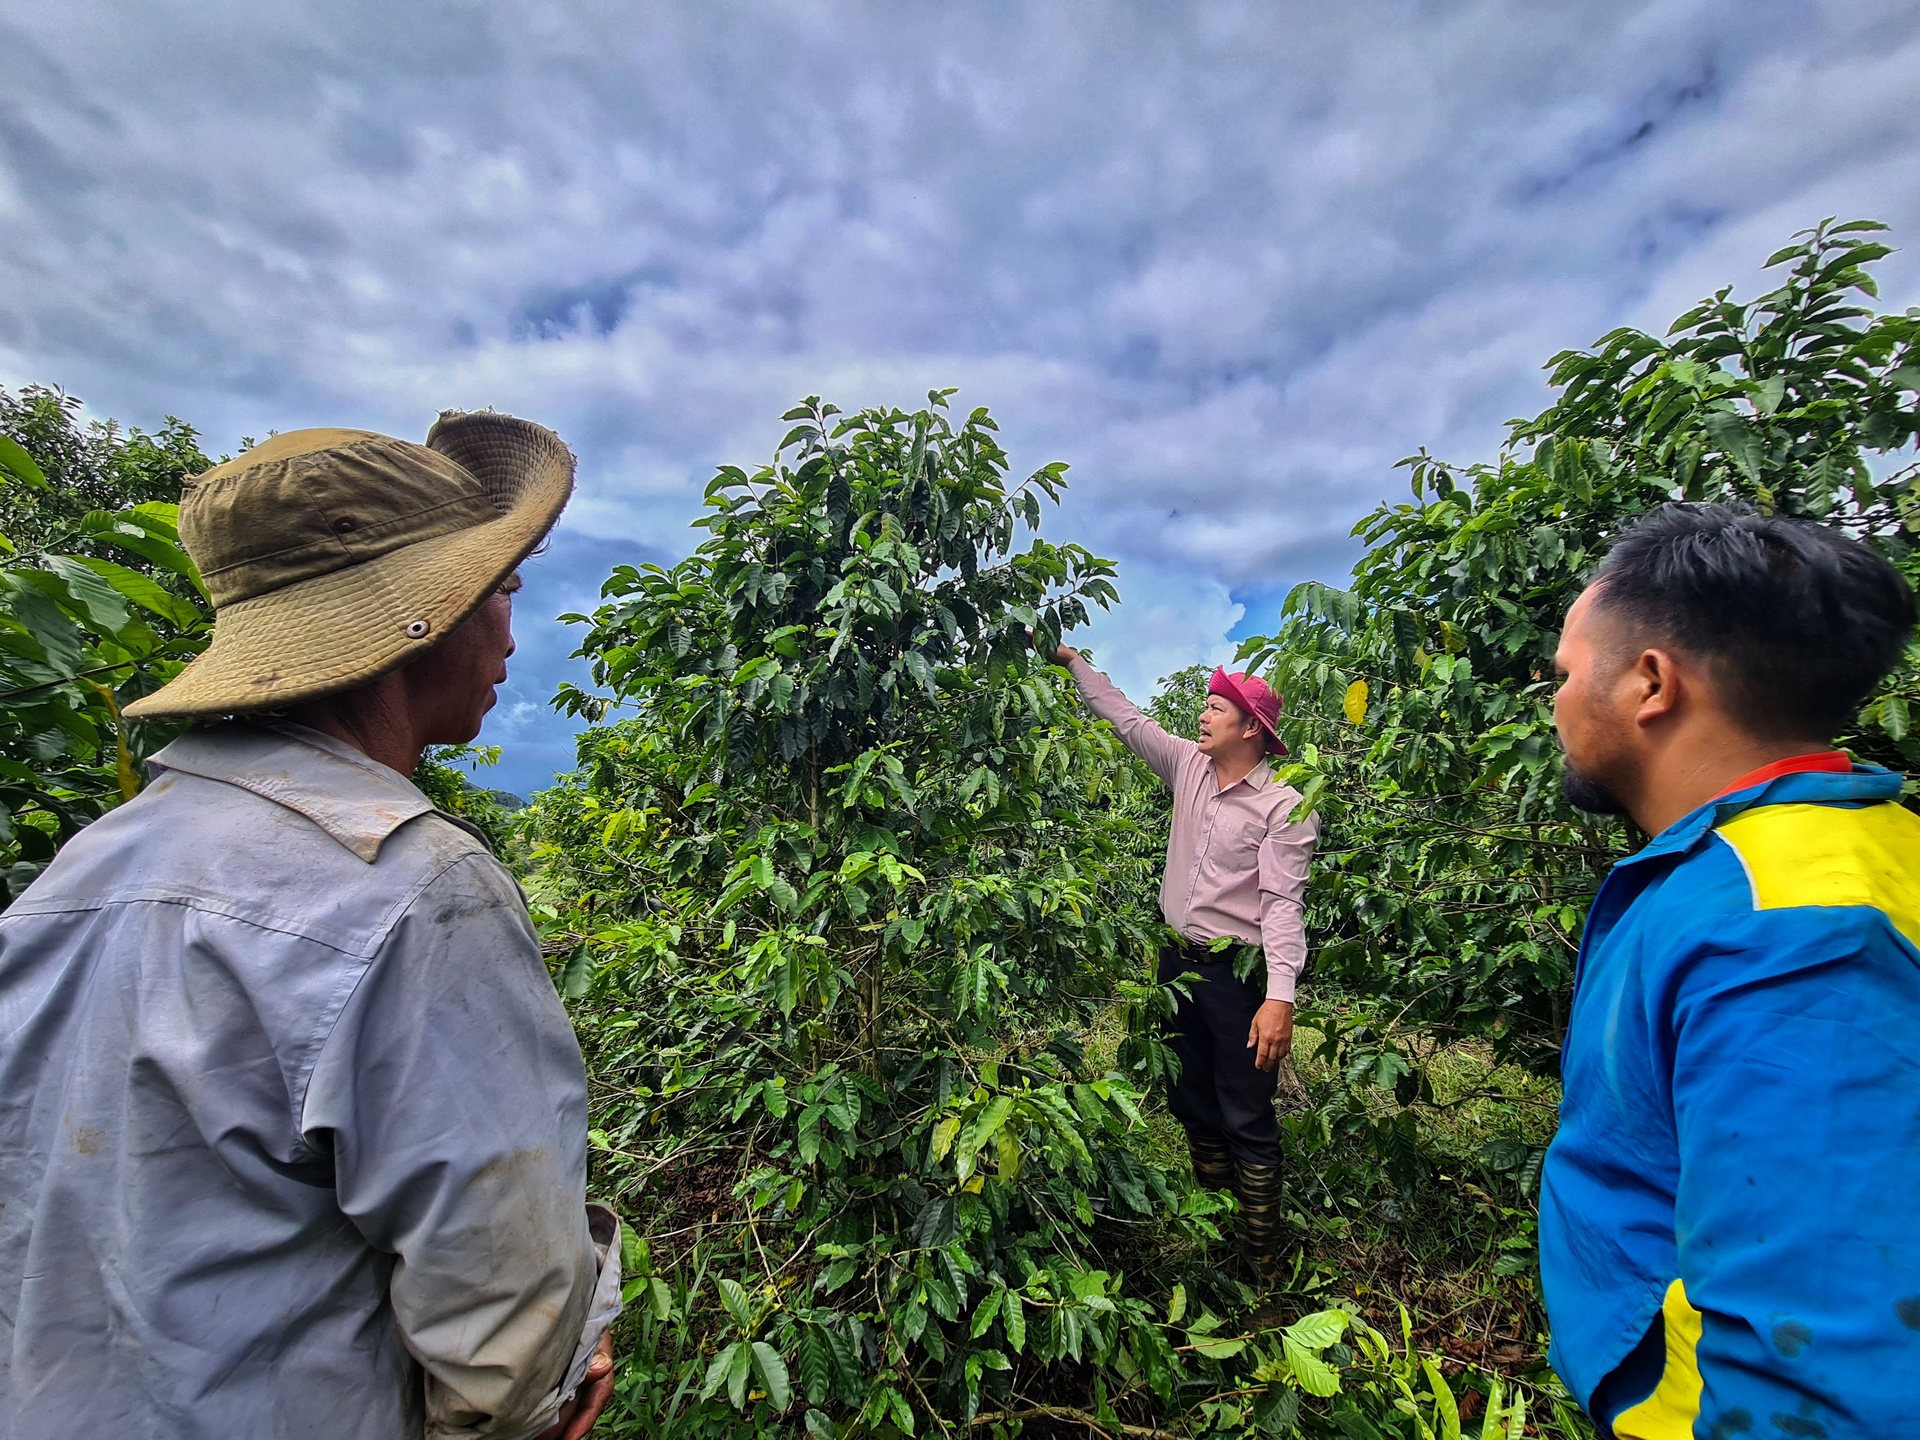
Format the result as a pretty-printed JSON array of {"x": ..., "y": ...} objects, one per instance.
[{"x": 1658, "y": 682}]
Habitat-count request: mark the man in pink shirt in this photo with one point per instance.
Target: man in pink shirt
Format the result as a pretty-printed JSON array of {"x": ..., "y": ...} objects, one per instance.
[{"x": 1236, "y": 871}]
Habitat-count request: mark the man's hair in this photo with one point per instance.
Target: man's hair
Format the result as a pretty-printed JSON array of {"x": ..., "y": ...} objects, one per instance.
[{"x": 1797, "y": 621}]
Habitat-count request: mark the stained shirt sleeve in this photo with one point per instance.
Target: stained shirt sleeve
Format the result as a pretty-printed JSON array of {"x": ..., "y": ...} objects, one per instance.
[
  {"x": 1796, "y": 1103},
  {"x": 1284, "y": 857},
  {"x": 453, "y": 1096},
  {"x": 1162, "y": 751}
]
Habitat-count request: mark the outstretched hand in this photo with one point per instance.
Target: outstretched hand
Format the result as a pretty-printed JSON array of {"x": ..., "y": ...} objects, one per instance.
[
  {"x": 1061, "y": 653},
  {"x": 1271, "y": 1035}
]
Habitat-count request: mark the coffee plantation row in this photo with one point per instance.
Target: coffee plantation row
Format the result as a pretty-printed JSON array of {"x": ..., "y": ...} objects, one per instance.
[{"x": 853, "y": 905}]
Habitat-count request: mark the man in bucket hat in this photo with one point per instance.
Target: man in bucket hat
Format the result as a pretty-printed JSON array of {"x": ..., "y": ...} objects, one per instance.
[
  {"x": 292, "y": 1125},
  {"x": 1236, "y": 871}
]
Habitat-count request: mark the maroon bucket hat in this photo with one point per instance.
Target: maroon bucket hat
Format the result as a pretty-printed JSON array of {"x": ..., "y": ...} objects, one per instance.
[{"x": 1255, "y": 697}]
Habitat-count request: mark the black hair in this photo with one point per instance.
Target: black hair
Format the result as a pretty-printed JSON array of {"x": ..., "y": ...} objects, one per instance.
[{"x": 1798, "y": 621}]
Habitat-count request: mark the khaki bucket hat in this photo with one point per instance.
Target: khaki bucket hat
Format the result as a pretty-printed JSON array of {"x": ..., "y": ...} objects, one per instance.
[{"x": 334, "y": 556}]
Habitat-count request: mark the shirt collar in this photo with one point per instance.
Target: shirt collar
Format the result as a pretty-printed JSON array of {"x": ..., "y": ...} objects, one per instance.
[
  {"x": 1860, "y": 785},
  {"x": 1257, "y": 778},
  {"x": 356, "y": 800}
]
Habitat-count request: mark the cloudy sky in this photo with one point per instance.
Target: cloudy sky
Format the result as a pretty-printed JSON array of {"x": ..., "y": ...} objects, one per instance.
[{"x": 1228, "y": 261}]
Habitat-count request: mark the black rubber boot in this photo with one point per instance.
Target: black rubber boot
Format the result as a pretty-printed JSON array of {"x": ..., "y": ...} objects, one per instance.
[
  {"x": 1258, "y": 1189},
  {"x": 1212, "y": 1162}
]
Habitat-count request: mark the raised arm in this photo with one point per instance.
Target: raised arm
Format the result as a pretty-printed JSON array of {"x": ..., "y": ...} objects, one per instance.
[
  {"x": 454, "y": 1098},
  {"x": 1162, "y": 752}
]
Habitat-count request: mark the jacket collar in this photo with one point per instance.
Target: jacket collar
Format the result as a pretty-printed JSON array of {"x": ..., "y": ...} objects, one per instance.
[
  {"x": 357, "y": 801},
  {"x": 1863, "y": 785}
]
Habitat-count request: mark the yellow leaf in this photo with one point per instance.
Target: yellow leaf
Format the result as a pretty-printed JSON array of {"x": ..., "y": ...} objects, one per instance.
[
  {"x": 1356, "y": 702},
  {"x": 1009, "y": 1156},
  {"x": 128, "y": 776},
  {"x": 943, "y": 1134}
]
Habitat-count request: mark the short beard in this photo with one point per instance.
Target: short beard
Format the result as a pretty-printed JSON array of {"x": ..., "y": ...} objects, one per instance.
[{"x": 1585, "y": 793}]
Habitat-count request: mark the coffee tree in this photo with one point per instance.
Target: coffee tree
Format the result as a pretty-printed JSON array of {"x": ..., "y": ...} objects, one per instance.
[
  {"x": 840, "y": 882},
  {"x": 849, "y": 833},
  {"x": 98, "y": 606},
  {"x": 93, "y": 465},
  {"x": 1453, "y": 880}
]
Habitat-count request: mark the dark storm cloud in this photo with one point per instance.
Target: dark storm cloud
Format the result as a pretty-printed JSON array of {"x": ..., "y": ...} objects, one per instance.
[{"x": 1230, "y": 261}]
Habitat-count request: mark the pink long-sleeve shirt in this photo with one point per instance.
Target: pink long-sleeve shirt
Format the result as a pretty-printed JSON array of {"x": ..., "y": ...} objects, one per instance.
[{"x": 1236, "y": 859}]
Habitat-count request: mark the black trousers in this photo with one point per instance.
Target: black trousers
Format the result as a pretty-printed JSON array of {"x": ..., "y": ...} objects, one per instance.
[{"x": 1220, "y": 1094}]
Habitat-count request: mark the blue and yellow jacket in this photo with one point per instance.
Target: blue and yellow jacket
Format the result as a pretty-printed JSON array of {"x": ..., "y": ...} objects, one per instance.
[{"x": 1730, "y": 1214}]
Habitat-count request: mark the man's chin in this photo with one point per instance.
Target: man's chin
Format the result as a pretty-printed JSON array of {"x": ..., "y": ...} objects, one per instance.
[{"x": 1585, "y": 793}]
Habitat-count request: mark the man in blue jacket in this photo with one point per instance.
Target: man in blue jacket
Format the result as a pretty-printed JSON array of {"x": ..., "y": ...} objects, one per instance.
[{"x": 1730, "y": 1215}]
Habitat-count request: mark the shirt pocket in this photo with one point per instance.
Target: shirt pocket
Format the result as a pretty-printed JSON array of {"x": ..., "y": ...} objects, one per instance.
[{"x": 1237, "y": 837}]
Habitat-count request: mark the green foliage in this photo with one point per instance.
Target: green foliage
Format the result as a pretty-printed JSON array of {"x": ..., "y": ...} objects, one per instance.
[
  {"x": 1453, "y": 878},
  {"x": 97, "y": 608},
  {"x": 837, "y": 902},
  {"x": 93, "y": 467},
  {"x": 838, "y": 590},
  {"x": 1181, "y": 697},
  {"x": 849, "y": 834}
]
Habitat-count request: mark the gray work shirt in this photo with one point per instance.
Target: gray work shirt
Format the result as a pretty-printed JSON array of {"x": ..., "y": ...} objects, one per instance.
[{"x": 292, "y": 1124}]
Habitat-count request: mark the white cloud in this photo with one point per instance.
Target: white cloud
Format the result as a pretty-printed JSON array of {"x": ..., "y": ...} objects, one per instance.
[
  {"x": 1231, "y": 261},
  {"x": 1167, "y": 622}
]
